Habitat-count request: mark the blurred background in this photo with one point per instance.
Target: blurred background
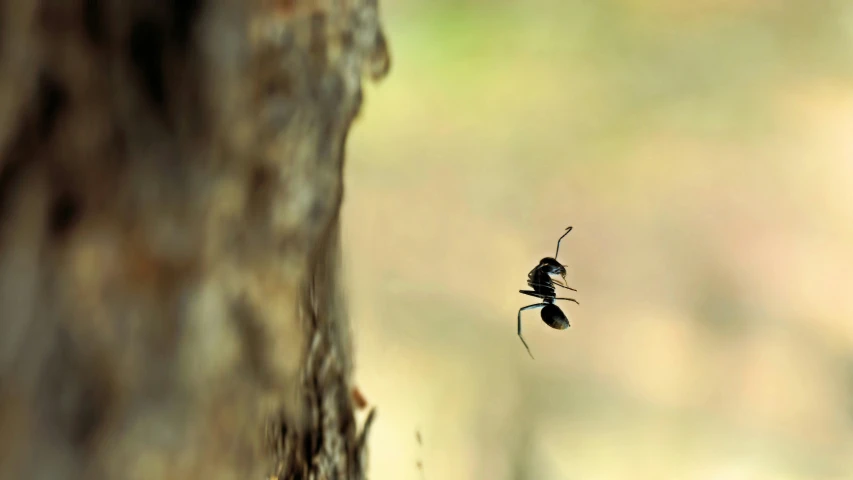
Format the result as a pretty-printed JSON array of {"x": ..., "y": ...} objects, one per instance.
[{"x": 703, "y": 152}]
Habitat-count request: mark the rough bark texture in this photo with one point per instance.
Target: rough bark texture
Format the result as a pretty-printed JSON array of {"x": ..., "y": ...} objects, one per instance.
[{"x": 170, "y": 184}]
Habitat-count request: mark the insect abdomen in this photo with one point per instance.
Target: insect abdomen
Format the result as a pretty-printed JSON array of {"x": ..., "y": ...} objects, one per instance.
[{"x": 554, "y": 317}]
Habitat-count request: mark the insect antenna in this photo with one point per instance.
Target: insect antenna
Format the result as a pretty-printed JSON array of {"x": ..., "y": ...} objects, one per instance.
[{"x": 558, "y": 242}]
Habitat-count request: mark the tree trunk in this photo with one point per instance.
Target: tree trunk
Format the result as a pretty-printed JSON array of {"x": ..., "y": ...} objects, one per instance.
[{"x": 170, "y": 185}]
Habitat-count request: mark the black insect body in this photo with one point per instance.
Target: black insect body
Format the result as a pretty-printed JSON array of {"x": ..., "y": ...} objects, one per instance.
[{"x": 540, "y": 280}]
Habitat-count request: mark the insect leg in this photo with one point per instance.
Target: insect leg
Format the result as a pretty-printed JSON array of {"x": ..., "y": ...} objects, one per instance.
[
  {"x": 535, "y": 305},
  {"x": 533, "y": 293},
  {"x": 537, "y": 284},
  {"x": 564, "y": 286},
  {"x": 569, "y": 299}
]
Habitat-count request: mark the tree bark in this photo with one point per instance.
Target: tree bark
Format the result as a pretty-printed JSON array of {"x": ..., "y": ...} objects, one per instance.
[{"x": 170, "y": 184}]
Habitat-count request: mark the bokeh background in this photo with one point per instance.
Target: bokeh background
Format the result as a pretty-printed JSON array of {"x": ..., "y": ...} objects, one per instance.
[{"x": 703, "y": 151}]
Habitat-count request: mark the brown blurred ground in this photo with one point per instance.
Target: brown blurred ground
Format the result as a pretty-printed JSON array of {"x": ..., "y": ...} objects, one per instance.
[{"x": 701, "y": 150}]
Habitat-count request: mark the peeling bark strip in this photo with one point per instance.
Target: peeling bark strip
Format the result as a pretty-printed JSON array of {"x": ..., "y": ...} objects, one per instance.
[{"x": 171, "y": 175}]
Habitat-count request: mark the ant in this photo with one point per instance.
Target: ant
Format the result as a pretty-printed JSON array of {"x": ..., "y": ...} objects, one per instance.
[{"x": 543, "y": 287}]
